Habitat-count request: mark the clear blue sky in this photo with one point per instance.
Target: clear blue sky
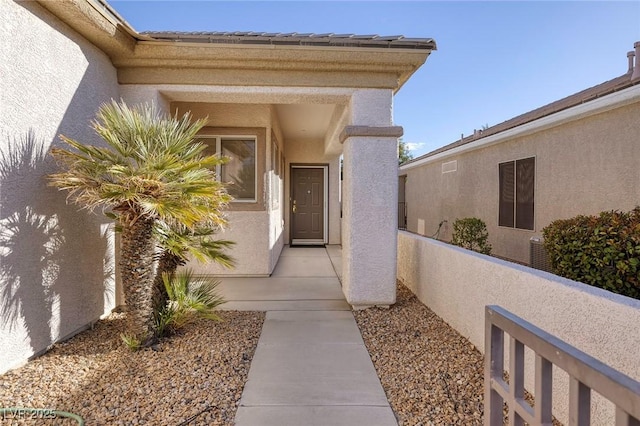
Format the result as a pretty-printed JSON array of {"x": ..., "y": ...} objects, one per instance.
[{"x": 495, "y": 60}]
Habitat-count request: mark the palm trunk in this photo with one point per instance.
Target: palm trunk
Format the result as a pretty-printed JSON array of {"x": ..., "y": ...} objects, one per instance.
[
  {"x": 167, "y": 264},
  {"x": 136, "y": 266}
]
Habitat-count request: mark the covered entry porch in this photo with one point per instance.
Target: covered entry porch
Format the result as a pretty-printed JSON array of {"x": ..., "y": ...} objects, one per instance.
[
  {"x": 310, "y": 135},
  {"x": 331, "y": 151}
]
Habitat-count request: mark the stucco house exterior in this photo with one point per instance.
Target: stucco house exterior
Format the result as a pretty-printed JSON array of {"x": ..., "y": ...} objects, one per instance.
[
  {"x": 283, "y": 107},
  {"x": 578, "y": 155}
]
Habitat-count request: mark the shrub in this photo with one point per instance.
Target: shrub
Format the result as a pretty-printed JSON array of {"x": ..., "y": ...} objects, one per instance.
[
  {"x": 132, "y": 343},
  {"x": 471, "y": 233},
  {"x": 602, "y": 251},
  {"x": 190, "y": 298}
]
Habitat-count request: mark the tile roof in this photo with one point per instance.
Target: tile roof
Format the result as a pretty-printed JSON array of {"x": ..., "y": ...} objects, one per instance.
[
  {"x": 619, "y": 83},
  {"x": 301, "y": 39}
]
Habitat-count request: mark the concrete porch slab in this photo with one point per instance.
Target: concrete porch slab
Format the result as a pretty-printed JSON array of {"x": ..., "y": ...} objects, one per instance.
[
  {"x": 304, "y": 279},
  {"x": 311, "y": 265},
  {"x": 335, "y": 256},
  {"x": 302, "y": 251},
  {"x": 281, "y": 288}
]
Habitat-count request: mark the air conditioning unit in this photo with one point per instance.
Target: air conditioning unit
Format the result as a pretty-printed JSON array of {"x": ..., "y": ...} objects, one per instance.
[{"x": 538, "y": 258}]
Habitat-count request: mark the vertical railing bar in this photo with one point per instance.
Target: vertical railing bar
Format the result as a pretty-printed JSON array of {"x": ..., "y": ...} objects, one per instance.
[
  {"x": 625, "y": 419},
  {"x": 494, "y": 367},
  {"x": 516, "y": 379},
  {"x": 579, "y": 403},
  {"x": 543, "y": 390},
  {"x": 405, "y": 215}
]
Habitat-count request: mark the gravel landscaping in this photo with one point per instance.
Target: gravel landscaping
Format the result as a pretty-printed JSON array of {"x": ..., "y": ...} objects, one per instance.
[
  {"x": 430, "y": 373},
  {"x": 198, "y": 374}
]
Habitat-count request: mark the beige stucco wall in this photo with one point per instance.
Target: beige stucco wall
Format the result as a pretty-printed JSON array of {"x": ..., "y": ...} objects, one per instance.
[
  {"x": 250, "y": 232},
  {"x": 582, "y": 167},
  {"x": 56, "y": 263},
  {"x": 134, "y": 94},
  {"x": 457, "y": 284}
]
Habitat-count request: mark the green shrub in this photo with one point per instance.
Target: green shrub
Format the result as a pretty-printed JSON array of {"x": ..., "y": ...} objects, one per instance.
[
  {"x": 602, "y": 251},
  {"x": 189, "y": 299},
  {"x": 471, "y": 233},
  {"x": 132, "y": 343}
]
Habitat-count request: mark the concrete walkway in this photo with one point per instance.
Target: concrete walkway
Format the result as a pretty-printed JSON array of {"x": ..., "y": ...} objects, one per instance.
[{"x": 311, "y": 366}]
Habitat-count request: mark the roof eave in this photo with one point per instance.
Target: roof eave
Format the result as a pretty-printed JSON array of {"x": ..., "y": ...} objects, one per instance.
[
  {"x": 363, "y": 65},
  {"x": 96, "y": 23},
  {"x": 388, "y": 68}
]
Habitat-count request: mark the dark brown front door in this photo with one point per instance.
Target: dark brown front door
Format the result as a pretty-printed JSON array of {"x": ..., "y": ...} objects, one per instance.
[{"x": 307, "y": 204}]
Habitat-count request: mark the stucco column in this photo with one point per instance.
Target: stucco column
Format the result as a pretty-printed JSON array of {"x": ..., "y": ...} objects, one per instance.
[{"x": 370, "y": 198}]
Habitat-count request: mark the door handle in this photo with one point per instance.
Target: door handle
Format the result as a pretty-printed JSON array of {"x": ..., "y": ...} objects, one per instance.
[{"x": 295, "y": 208}]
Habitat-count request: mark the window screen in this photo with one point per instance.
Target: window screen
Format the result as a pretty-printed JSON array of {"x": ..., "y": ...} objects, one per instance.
[
  {"x": 525, "y": 178},
  {"x": 517, "y": 185},
  {"x": 240, "y": 170},
  {"x": 239, "y": 173},
  {"x": 507, "y": 194}
]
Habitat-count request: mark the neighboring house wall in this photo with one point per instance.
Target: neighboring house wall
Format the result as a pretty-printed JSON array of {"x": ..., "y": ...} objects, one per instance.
[
  {"x": 457, "y": 284},
  {"x": 56, "y": 262},
  {"x": 583, "y": 166}
]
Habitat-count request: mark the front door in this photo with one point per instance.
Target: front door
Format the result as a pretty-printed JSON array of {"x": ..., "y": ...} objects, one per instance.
[{"x": 307, "y": 205}]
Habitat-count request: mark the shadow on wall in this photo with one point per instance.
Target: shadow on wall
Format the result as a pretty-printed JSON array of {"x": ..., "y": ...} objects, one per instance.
[
  {"x": 56, "y": 262},
  {"x": 46, "y": 271}
]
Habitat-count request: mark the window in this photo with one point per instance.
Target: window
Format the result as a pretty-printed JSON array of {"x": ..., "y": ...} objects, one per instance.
[
  {"x": 517, "y": 183},
  {"x": 240, "y": 171}
]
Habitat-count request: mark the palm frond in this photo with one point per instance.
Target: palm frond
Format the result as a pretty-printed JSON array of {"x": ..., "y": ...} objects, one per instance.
[{"x": 190, "y": 298}]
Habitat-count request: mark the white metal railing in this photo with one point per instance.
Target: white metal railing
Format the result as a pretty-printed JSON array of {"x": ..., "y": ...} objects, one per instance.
[{"x": 585, "y": 374}]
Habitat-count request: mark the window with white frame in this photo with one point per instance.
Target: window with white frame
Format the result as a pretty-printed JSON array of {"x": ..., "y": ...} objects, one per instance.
[
  {"x": 240, "y": 170},
  {"x": 517, "y": 193}
]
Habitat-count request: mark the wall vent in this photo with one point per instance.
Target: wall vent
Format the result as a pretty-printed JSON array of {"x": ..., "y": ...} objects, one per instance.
[
  {"x": 538, "y": 258},
  {"x": 450, "y": 166}
]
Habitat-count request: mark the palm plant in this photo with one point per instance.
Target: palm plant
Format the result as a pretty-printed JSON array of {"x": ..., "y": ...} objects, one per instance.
[
  {"x": 151, "y": 170},
  {"x": 178, "y": 244},
  {"x": 189, "y": 298}
]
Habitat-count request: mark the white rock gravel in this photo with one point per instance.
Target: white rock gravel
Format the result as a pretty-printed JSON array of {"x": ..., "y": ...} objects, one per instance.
[
  {"x": 197, "y": 374},
  {"x": 430, "y": 373}
]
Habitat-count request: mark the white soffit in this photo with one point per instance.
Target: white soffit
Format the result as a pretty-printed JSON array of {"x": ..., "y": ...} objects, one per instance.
[{"x": 304, "y": 121}]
